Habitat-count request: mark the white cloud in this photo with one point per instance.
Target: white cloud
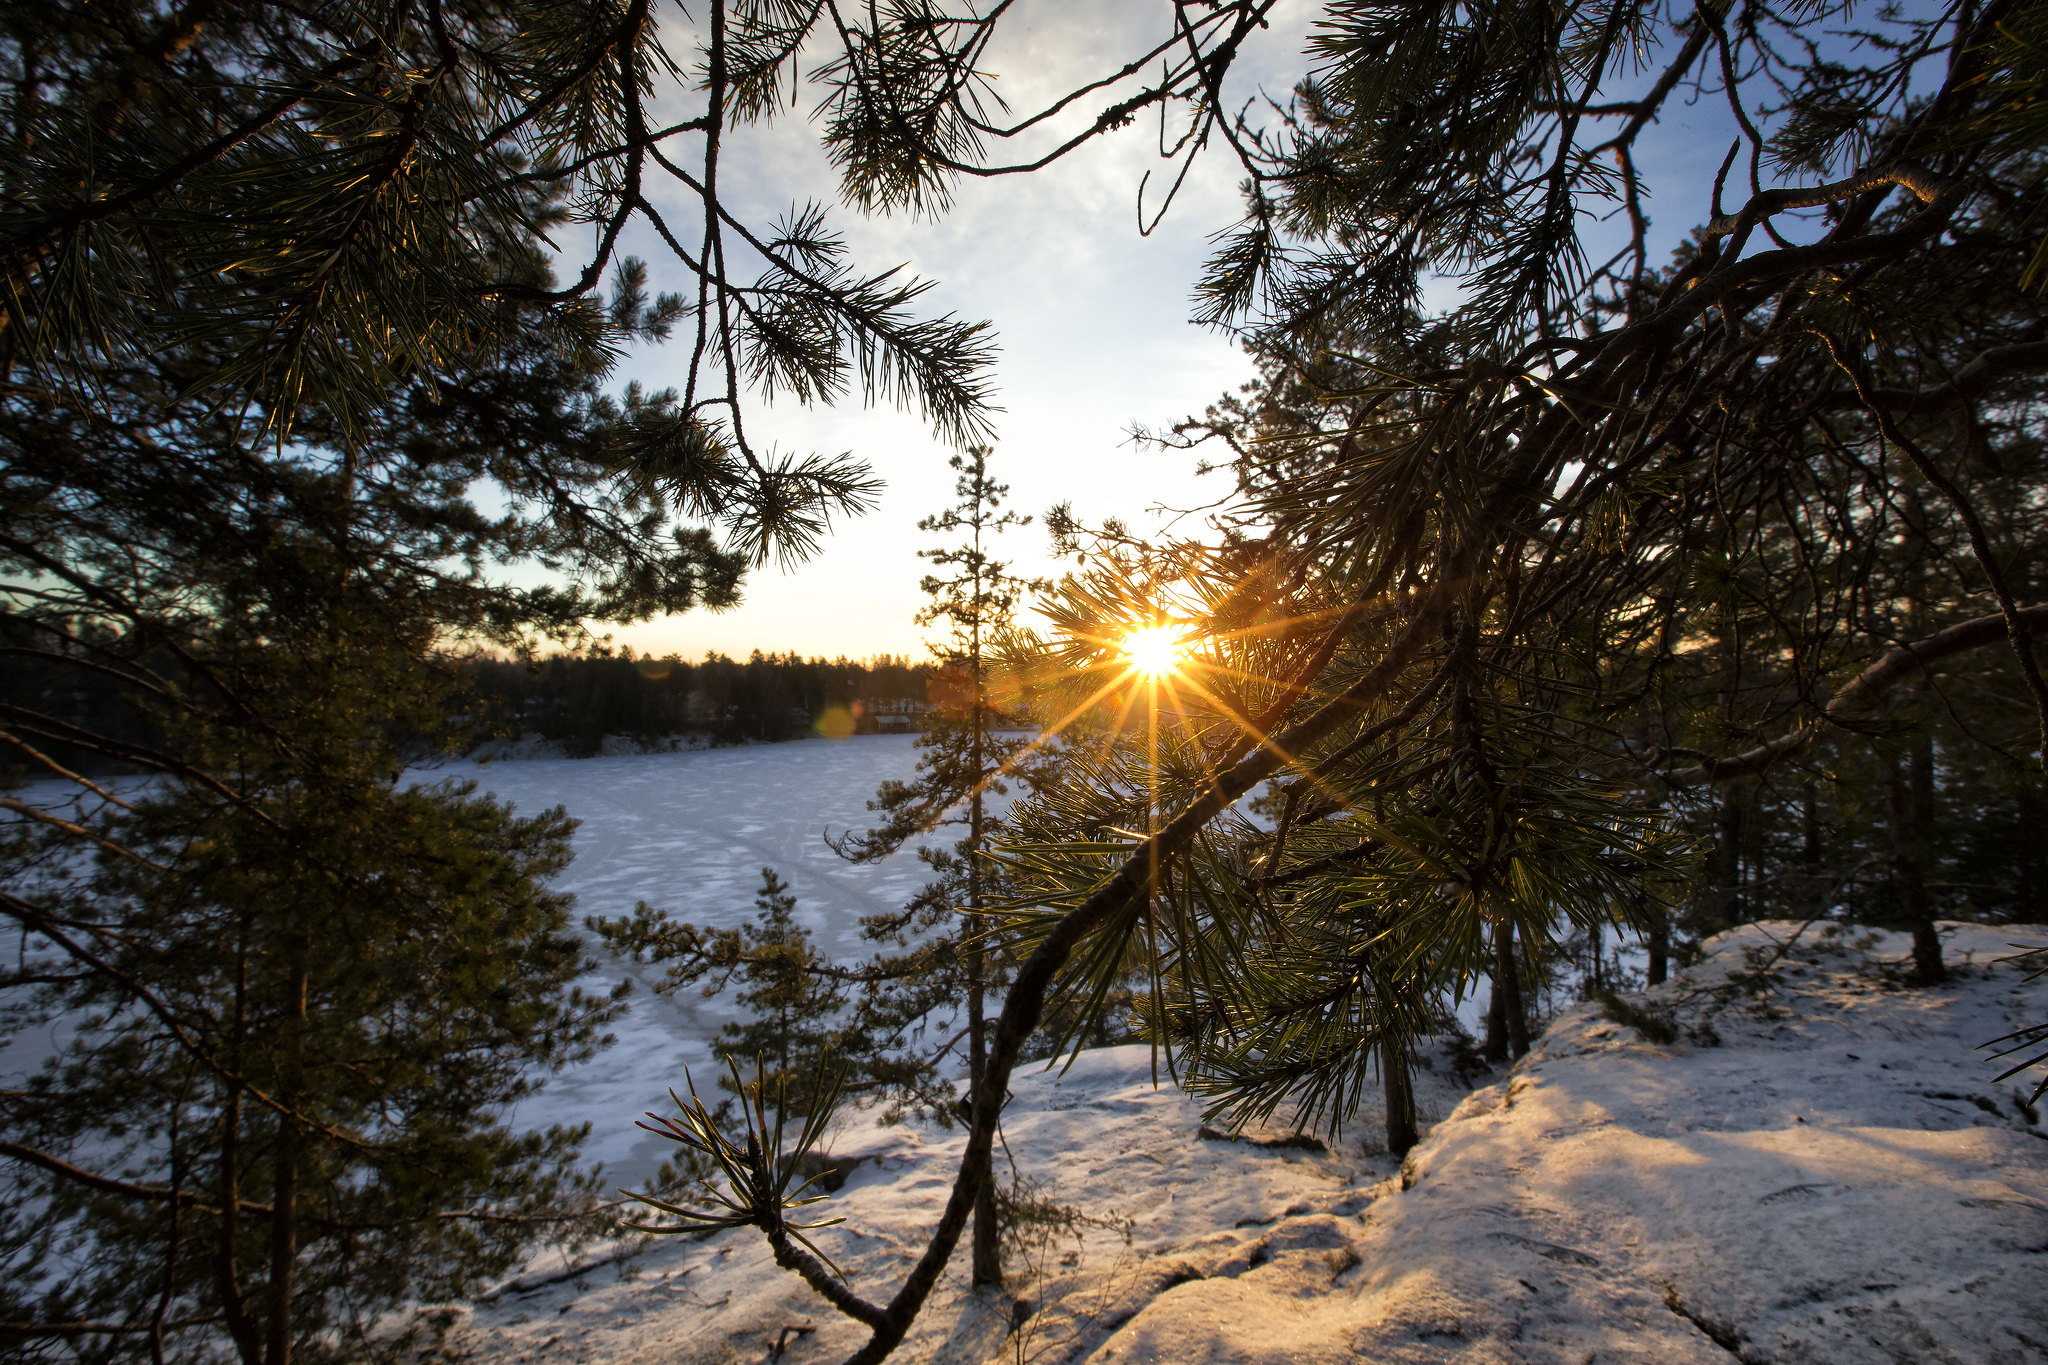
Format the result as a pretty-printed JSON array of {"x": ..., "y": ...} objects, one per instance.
[{"x": 1091, "y": 320}]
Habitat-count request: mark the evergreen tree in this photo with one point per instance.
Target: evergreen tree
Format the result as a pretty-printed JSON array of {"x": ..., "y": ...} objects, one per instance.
[
  {"x": 1490, "y": 601},
  {"x": 299, "y": 996},
  {"x": 964, "y": 756},
  {"x": 797, "y": 1031},
  {"x": 790, "y": 1035},
  {"x": 294, "y": 1034},
  {"x": 968, "y": 752},
  {"x": 579, "y": 698},
  {"x": 323, "y": 989}
]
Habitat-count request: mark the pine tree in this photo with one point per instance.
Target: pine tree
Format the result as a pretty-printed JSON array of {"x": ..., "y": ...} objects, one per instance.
[
  {"x": 300, "y": 997},
  {"x": 966, "y": 760},
  {"x": 321, "y": 987},
  {"x": 1465, "y": 608},
  {"x": 793, "y": 1006},
  {"x": 964, "y": 757},
  {"x": 302, "y": 1124}
]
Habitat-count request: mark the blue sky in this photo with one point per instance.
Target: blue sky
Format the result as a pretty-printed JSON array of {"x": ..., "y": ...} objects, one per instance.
[{"x": 1091, "y": 320}]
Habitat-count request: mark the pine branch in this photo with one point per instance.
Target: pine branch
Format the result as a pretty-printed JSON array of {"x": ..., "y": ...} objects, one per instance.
[{"x": 1864, "y": 692}]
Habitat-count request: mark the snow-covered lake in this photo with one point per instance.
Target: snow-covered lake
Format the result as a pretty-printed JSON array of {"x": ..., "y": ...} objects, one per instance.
[{"x": 689, "y": 833}]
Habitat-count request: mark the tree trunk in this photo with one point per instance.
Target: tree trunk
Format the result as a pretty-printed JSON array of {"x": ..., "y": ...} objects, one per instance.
[
  {"x": 1508, "y": 982},
  {"x": 2023, "y": 855},
  {"x": 226, "y": 1275},
  {"x": 1727, "y": 867},
  {"x": 1907, "y": 798},
  {"x": 1660, "y": 945},
  {"x": 1911, "y": 802},
  {"x": 174, "y": 1234},
  {"x": 1496, "y": 1050},
  {"x": 987, "y": 1249},
  {"x": 1401, "y": 1134},
  {"x": 284, "y": 1250},
  {"x": 284, "y": 1196},
  {"x": 1927, "y": 962},
  {"x": 1815, "y": 892},
  {"x": 987, "y": 1245}
]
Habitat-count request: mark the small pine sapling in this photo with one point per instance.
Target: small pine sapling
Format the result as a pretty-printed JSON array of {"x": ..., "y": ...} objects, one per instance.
[
  {"x": 793, "y": 1006},
  {"x": 795, "y": 998},
  {"x": 968, "y": 748}
]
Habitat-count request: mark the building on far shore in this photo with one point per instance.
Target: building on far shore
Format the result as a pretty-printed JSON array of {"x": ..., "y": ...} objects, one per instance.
[{"x": 889, "y": 715}]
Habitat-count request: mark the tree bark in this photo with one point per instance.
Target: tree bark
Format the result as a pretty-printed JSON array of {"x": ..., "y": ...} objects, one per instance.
[
  {"x": 1909, "y": 787},
  {"x": 1496, "y": 1048},
  {"x": 1927, "y": 960},
  {"x": 2023, "y": 853},
  {"x": 226, "y": 1275},
  {"x": 1660, "y": 945},
  {"x": 1727, "y": 867},
  {"x": 1810, "y": 850},
  {"x": 987, "y": 1236},
  {"x": 1401, "y": 1131},
  {"x": 987, "y": 1251},
  {"x": 1928, "y": 967},
  {"x": 1507, "y": 981},
  {"x": 284, "y": 1249}
]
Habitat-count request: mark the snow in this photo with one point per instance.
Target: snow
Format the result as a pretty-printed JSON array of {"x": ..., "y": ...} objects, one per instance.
[
  {"x": 1818, "y": 1169},
  {"x": 689, "y": 832}
]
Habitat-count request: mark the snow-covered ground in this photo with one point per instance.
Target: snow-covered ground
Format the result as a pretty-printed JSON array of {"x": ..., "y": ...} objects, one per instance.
[
  {"x": 1818, "y": 1169},
  {"x": 689, "y": 832}
]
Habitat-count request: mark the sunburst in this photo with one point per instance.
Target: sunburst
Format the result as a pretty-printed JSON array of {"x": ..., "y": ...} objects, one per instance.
[{"x": 1154, "y": 651}]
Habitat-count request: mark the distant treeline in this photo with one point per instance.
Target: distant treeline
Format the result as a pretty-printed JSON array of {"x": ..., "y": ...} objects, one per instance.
[
  {"x": 578, "y": 700},
  {"x": 86, "y": 720}
]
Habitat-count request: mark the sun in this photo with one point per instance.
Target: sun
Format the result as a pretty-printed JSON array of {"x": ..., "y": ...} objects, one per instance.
[{"x": 1154, "y": 651}]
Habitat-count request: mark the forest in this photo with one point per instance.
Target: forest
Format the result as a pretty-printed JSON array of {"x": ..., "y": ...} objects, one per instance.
[
  {"x": 1609, "y": 560},
  {"x": 572, "y": 700},
  {"x": 578, "y": 701}
]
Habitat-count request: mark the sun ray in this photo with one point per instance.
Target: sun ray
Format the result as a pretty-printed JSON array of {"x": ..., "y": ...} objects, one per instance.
[
  {"x": 1306, "y": 693},
  {"x": 1046, "y": 735},
  {"x": 1155, "y": 658},
  {"x": 1123, "y": 714},
  {"x": 1154, "y": 651},
  {"x": 1260, "y": 737},
  {"x": 1053, "y": 731},
  {"x": 1307, "y": 616}
]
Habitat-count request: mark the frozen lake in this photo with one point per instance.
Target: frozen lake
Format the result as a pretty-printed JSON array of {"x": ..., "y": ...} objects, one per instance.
[{"x": 689, "y": 833}]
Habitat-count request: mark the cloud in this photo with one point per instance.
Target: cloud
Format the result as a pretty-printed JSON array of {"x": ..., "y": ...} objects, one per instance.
[{"x": 1092, "y": 321}]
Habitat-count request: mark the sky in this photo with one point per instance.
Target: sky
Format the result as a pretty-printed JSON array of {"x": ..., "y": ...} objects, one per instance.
[{"x": 1091, "y": 321}]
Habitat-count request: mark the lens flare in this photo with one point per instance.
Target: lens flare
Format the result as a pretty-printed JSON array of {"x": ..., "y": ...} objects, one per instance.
[{"x": 1154, "y": 650}]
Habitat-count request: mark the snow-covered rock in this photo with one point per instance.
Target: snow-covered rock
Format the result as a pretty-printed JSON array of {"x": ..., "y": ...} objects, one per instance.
[{"x": 1814, "y": 1169}]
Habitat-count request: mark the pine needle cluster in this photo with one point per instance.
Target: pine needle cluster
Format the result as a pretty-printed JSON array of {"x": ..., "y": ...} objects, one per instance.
[{"x": 1544, "y": 560}]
